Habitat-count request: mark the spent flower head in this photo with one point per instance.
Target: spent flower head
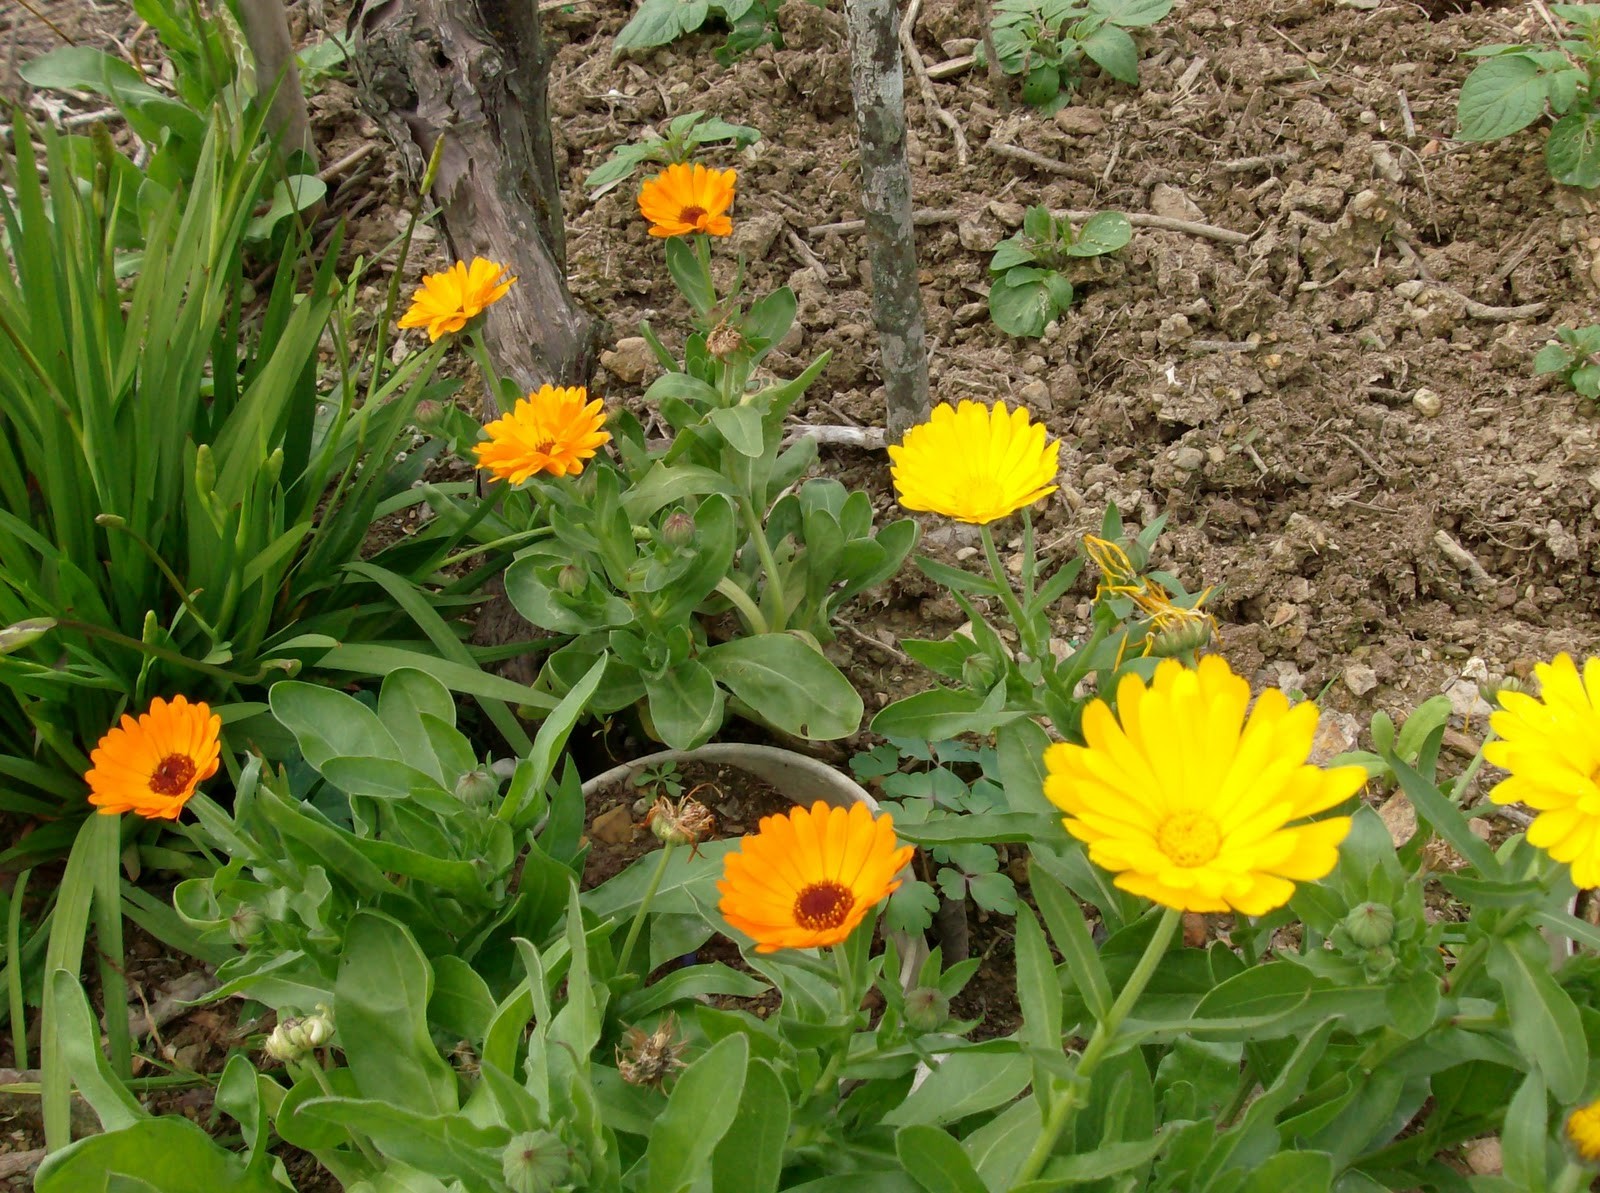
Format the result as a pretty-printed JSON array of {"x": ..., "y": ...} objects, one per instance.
[
  {"x": 153, "y": 766},
  {"x": 553, "y": 430},
  {"x": 809, "y": 878},
  {"x": 650, "y": 1057},
  {"x": 1550, "y": 744},
  {"x": 445, "y": 302},
  {"x": 686, "y": 198},
  {"x": 1194, "y": 804},
  {"x": 974, "y": 463}
]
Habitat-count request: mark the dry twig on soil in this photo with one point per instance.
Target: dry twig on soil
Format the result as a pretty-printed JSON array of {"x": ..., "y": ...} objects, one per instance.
[{"x": 919, "y": 68}]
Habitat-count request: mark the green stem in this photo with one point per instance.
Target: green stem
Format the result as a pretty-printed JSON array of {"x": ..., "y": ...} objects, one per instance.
[
  {"x": 740, "y": 600},
  {"x": 1572, "y": 1178},
  {"x": 321, "y": 1078},
  {"x": 644, "y": 909},
  {"x": 1105, "y": 1033},
  {"x": 19, "y": 1025},
  {"x": 850, "y": 1004},
  {"x": 114, "y": 522},
  {"x": 480, "y": 355},
  {"x": 1463, "y": 785},
  {"x": 773, "y": 592},
  {"x": 178, "y": 660}
]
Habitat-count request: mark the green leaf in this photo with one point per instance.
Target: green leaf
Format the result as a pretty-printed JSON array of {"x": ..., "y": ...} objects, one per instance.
[
  {"x": 655, "y": 24},
  {"x": 461, "y": 1001},
  {"x": 1304, "y": 1172},
  {"x": 749, "y": 1157},
  {"x": 1114, "y": 52},
  {"x": 1071, "y": 935},
  {"x": 1020, "y": 303},
  {"x": 1038, "y": 988},
  {"x": 86, "y": 1064},
  {"x": 169, "y": 1154},
  {"x": 1013, "y": 250},
  {"x": 1573, "y": 149},
  {"x": 964, "y": 1084},
  {"x": 329, "y": 724},
  {"x": 686, "y": 705},
  {"x": 458, "y": 677},
  {"x": 1445, "y": 818},
  {"x": 1499, "y": 97},
  {"x": 741, "y": 426},
  {"x": 1103, "y": 232},
  {"x": 936, "y": 1161},
  {"x": 703, "y": 1105},
  {"x": 1544, "y": 1020},
  {"x": 1131, "y": 14},
  {"x": 380, "y": 1005},
  {"x": 688, "y": 274},
  {"x": 1522, "y": 1136},
  {"x": 945, "y": 712},
  {"x": 82, "y": 68},
  {"x": 449, "y": 1144},
  {"x": 788, "y": 684}
]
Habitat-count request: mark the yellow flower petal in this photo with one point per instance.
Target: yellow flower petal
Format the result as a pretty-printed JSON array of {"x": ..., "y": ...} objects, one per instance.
[
  {"x": 974, "y": 464},
  {"x": 1195, "y": 800},
  {"x": 445, "y": 302},
  {"x": 686, "y": 198},
  {"x": 554, "y": 430}
]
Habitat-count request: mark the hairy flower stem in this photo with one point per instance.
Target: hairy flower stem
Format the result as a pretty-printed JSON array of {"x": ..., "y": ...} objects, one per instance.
[
  {"x": 640, "y": 916},
  {"x": 491, "y": 378},
  {"x": 740, "y": 600},
  {"x": 1094, "y": 1052},
  {"x": 773, "y": 592}
]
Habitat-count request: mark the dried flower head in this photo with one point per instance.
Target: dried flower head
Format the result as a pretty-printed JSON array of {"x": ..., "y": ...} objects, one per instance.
[
  {"x": 446, "y": 301},
  {"x": 649, "y": 1058},
  {"x": 153, "y": 766},
  {"x": 685, "y": 198},
  {"x": 687, "y": 822}
]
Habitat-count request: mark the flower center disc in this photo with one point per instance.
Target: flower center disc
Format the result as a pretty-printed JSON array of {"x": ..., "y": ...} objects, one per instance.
[
  {"x": 823, "y": 905},
  {"x": 172, "y": 774},
  {"x": 1189, "y": 838},
  {"x": 692, "y": 215}
]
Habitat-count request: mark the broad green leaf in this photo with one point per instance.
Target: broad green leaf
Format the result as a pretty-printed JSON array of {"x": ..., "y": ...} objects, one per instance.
[
  {"x": 1104, "y": 232},
  {"x": 169, "y": 1154},
  {"x": 458, "y": 677},
  {"x": 329, "y": 724},
  {"x": 1070, "y": 932},
  {"x": 1573, "y": 149},
  {"x": 461, "y": 1001},
  {"x": 936, "y": 1161},
  {"x": 703, "y": 1105},
  {"x": 1303, "y": 1172},
  {"x": 1131, "y": 14},
  {"x": 1445, "y": 818},
  {"x": 1038, "y": 988},
  {"x": 962, "y": 1084},
  {"x": 1523, "y": 1135},
  {"x": 82, "y": 68},
  {"x": 686, "y": 706},
  {"x": 86, "y": 1063},
  {"x": 741, "y": 426},
  {"x": 1020, "y": 303},
  {"x": 749, "y": 1157},
  {"x": 788, "y": 684},
  {"x": 1499, "y": 97},
  {"x": 380, "y": 1005},
  {"x": 1544, "y": 1020},
  {"x": 943, "y": 713},
  {"x": 1114, "y": 52},
  {"x": 446, "y": 1143}
]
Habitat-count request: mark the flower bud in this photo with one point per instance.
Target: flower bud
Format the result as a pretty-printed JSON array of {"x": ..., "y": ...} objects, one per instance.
[
  {"x": 428, "y": 415},
  {"x": 572, "y": 579},
  {"x": 245, "y": 926},
  {"x": 295, "y": 1039},
  {"x": 1181, "y": 637},
  {"x": 927, "y": 1009},
  {"x": 1370, "y": 925},
  {"x": 24, "y": 633},
  {"x": 477, "y": 787},
  {"x": 535, "y": 1162},
  {"x": 678, "y": 530}
]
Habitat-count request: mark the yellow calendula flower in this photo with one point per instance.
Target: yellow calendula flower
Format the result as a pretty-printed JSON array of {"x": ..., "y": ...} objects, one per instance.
[
  {"x": 1194, "y": 804},
  {"x": 1583, "y": 1132},
  {"x": 809, "y": 878},
  {"x": 153, "y": 765},
  {"x": 1551, "y": 747},
  {"x": 686, "y": 198},
  {"x": 974, "y": 463},
  {"x": 554, "y": 431},
  {"x": 446, "y": 301}
]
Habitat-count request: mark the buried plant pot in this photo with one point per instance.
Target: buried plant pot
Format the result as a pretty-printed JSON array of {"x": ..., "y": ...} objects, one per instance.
[{"x": 800, "y": 777}]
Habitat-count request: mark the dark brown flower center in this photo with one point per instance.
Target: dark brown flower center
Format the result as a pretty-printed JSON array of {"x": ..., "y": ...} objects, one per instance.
[
  {"x": 172, "y": 774},
  {"x": 692, "y": 215},
  {"x": 823, "y": 905},
  {"x": 544, "y": 446}
]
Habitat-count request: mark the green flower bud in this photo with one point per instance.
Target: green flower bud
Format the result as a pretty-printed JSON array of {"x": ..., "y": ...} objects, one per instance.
[
  {"x": 245, "y": 926},
  {"x": 1370, "y": 925},
  {"x": 24, "y": 633},
  {"x": 927, "y": 1009},
  {"x": 477, "y": 788},
  {"x": 428, "y": 415},
  {"x": 535, "y": 1162},
  {"x": 678, "y": 530},
  {"x": 295, "y": 1039},
  {"x": 572, "y": 579}
]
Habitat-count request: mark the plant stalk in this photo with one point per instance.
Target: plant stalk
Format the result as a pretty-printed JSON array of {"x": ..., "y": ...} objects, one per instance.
[{"x": 644, "y": 908}]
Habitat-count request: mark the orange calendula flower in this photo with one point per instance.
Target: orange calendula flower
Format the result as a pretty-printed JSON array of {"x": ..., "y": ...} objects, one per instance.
[
  {"x": 1195, "y": 803},
  {"x": 554, "y": 431},
  {"x": 446, "y": 301},
  {"x": 687, "y": 198},
  {"x": 809, "y": 878},
  {"x": 153, "y": 765}
]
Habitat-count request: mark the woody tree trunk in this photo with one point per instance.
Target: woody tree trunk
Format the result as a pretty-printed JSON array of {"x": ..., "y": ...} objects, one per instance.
[
  {"x": 878, "y": 87},
  {"x": 476, "y": 71}
]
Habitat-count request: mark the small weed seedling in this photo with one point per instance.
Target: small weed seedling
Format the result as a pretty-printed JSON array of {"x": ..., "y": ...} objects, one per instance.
[
  {"x": 685, "y": 135},
  {"x": 659, "y": 781},
  {"x": 1517, "y": 83},
  {"x": 751, "y": 23},
  {"x": 1576, "y": 356},
  {"x": 1046, "y": 41},
  {"x": 920, "y": 782},
  {"x": 1029, "y": 289}
]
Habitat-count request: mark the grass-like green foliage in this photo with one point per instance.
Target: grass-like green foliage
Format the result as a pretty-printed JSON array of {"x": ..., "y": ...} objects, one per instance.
[
  {"x": 750, "y": 23},
  {"x": 183, "y": 506},
  {"x": 1519, "y": 84},
  {"x": 1046, "y": 42},
  {"x": 685, "y": 136},
  {"x": 1029, "y": 288},
  {"x": 1575, "y": 358}
]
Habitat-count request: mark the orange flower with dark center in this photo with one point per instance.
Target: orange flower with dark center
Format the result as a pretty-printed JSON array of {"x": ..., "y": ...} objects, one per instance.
[
  {"x": 809, "y": 878},
  {"x": 153, "y": 765},
  {"x": 446, "y": 301},
  {"x": 685, "y": 198},
  {"x": 554, "y": 431}
]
